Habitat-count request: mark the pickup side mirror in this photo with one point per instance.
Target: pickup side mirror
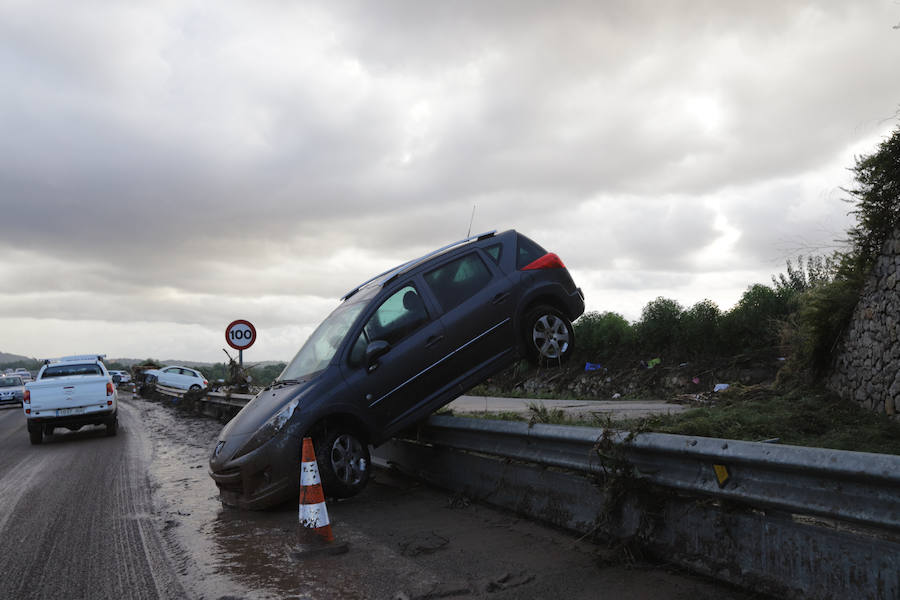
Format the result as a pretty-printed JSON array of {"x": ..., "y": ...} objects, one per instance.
[{"x": 374, "y": 351}]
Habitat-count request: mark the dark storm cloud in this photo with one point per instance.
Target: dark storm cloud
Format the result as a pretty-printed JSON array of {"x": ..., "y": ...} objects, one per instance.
[{"x": 169, "y": 154}]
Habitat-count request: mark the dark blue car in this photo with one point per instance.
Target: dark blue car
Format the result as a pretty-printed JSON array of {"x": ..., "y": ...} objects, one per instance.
[{"x": 397, "y": 348}]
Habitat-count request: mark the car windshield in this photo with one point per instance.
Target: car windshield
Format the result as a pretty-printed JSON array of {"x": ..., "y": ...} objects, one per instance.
[
  {"x": 10, "y": 381},
  {"x": 321, "y": 346}
]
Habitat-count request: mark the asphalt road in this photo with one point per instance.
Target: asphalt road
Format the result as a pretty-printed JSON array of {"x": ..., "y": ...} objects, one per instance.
[
  {"x": 75, "y": 516},
  {"x": 136, "y": 516}
]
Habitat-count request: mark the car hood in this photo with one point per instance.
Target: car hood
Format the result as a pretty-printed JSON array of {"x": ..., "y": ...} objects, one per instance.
[{"x": 264, "y": 406}]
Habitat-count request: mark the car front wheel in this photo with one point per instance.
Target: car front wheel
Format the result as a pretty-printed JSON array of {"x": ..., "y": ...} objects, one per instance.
[
  {"x": 549, "y": 336},
  {"x": 343, "y": 461}
]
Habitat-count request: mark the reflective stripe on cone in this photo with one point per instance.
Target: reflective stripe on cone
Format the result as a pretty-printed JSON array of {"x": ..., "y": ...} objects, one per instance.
[{"x": 312, "y": 514}]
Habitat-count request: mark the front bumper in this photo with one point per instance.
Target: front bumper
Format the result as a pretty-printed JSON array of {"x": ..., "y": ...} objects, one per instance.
[{"x": 263, "y": 478}]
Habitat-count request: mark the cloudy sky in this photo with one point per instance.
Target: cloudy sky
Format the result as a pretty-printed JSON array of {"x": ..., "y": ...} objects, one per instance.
[{"x": 169, "y": 166}]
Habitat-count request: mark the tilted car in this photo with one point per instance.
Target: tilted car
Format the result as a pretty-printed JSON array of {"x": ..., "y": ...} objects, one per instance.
[
  {"x": 397, "y": 348},
  {"x": 183, "y": 378},
  {"x": 12, "y": 389}
]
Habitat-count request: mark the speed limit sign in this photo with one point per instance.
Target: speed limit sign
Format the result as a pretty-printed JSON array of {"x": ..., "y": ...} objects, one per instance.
[{"x": 240, "y": 334}]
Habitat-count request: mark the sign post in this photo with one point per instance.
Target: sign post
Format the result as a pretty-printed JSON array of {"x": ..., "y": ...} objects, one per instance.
[{"x": 240, "y": 334}]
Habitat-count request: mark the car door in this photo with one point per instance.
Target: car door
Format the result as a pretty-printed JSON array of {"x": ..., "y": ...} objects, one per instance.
[
  {"x": 477, "y": 301},
  {"x": 168, "y": 377},
  {"x": 399, "y": 384}
]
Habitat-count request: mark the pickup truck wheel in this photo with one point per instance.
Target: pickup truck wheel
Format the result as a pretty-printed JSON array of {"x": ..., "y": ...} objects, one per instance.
[
  {"x": 49, "y": 430},
  {"x": 112, "y": 427},
  {"x": 549, "y": 336},
  {"x": 343, "y": 461},
  {"x": 36, "y": 434}
]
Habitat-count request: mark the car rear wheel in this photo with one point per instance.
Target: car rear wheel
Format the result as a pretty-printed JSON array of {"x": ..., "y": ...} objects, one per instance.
[
  {"x": 194, "y": 388},
  {"x": 343, "y": 461},
  {"x": 112, "y": 427},
  {"x": 36, "y": 434},
  {"x": 549, "y": 336}
]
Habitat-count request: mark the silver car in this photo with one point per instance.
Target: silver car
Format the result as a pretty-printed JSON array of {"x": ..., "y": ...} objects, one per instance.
[{"x": 12, "y": 389}]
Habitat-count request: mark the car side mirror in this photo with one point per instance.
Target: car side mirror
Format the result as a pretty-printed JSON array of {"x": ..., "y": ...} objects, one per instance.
[{"x": 374, "y": 351}]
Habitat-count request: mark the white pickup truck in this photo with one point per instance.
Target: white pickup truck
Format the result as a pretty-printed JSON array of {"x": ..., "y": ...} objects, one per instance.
[{"x": 71, "y": 392}]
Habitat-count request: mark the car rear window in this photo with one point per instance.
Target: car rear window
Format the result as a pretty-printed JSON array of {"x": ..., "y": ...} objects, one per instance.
[
  {"x": 528, "y": 251},
  {"x": 495, "y": 251},
  {"x": 68, "y": 370},
  {"x": 10, "y": 381},
  {"x": 458, "y": 280}
]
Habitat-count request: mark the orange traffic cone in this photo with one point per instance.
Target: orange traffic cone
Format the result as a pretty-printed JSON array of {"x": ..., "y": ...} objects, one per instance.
[
  {"x": 313, "y": 513},
  {"x": 313, "y": 516}
]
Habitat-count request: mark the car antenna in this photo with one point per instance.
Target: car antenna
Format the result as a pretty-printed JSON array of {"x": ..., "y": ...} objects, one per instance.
[{"x": 469, "y": 233}]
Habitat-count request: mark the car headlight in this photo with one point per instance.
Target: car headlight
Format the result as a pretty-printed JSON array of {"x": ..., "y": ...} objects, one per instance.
[{"x": 269, "y": 429}]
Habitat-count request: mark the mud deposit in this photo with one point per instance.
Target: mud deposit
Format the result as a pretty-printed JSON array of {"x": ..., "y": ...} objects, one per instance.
[{"x": 406, "y": 541}]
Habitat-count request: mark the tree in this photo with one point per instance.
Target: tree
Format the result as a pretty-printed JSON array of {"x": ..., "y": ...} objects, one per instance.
[{"x": 877, "y": 200}]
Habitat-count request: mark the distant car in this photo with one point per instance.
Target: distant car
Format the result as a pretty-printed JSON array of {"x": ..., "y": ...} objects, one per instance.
[
  {"x": 179, "y": 377},
  {"x": 397, "y": 348},
  {"x": 25, "y": 374},
  {"x": 12, "y": 389},
  {"x": 124, "y": 377}
]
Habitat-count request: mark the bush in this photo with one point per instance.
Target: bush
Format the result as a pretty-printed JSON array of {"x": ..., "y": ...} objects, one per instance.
[
  {"x": 604, "y": 335},
  {"x": 699, "y": 329},
  {"x": 657, "y": 331},
  {"x": 755, "y": 321}
]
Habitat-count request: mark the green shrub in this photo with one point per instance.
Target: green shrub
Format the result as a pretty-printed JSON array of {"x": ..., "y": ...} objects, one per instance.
[
  {"x": 754, "y": 322},
  {"x": 604, "y": 335},
  {"x": 699, "y": 329},
  {"x": 657, "y": 331}
]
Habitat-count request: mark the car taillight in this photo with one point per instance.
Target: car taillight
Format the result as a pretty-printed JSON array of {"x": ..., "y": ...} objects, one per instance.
[
  {"x": 27, "y": 398},
  {"x": 109, "y": 388},
  {"x": 547, "y": 261},
  {"x": 205, "y": 383}
]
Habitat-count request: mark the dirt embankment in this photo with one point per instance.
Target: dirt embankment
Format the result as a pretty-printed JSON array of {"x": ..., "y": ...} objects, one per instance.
[{"x": 653, "y": 378}]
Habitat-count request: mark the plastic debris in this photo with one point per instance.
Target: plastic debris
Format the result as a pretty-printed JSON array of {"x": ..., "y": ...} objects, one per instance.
[
  {"x": 721, "y": 387},
  {"x": 696, "y": 380},
  {"x": 616, "y": 396},
  {"x": 589, "y": 366}
]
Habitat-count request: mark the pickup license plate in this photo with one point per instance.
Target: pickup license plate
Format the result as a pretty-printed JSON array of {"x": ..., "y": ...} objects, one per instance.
[{"x": 65, "y": 412}]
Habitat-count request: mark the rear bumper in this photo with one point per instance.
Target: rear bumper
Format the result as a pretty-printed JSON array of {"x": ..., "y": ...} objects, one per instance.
[{"x": 96, "y": 418}]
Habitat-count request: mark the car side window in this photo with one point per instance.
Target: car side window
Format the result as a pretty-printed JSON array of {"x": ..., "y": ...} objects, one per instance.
[
  {"x": 402, "y": 313},
  {"x": 458, "y": 280},
  {"x": 494, "y": 251}
]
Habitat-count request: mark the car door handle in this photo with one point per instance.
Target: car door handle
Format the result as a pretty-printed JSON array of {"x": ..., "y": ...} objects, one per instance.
[
  {"x": 501, "y": 297},
  {"x": 435, "y": 339}
]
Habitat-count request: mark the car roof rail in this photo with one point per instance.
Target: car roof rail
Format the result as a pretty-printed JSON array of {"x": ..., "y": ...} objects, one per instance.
[{"x": 405, "y": 267}]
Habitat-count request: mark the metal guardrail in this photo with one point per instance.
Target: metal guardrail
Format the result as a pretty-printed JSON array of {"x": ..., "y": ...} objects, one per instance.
[
  {"x": 853, "y": 486},
  {"x": 789, "y": 521}
]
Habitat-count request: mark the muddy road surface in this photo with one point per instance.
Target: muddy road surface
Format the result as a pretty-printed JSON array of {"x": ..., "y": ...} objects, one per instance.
[{"x": 137, "y": 516}]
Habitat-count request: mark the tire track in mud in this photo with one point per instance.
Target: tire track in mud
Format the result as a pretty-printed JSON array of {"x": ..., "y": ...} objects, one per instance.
[{"x": 77, "y": 520}]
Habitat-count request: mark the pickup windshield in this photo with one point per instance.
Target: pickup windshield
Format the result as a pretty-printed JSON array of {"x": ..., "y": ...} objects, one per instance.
[{"x": 68, "y": 370}]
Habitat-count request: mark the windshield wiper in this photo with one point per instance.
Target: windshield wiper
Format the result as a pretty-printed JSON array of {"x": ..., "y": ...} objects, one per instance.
[{"x": 283, "y": 382}]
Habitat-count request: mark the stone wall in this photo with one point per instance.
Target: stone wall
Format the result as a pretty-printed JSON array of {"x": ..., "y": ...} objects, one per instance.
[{"x": 867, "y": 370}]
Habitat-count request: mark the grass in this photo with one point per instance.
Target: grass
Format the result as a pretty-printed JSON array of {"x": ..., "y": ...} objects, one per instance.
[{"x": 798, "y": 417}]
